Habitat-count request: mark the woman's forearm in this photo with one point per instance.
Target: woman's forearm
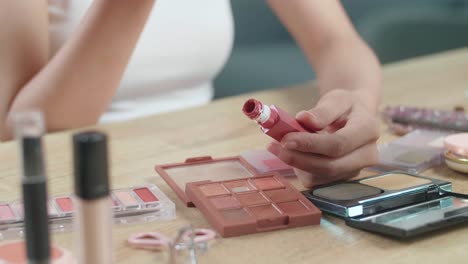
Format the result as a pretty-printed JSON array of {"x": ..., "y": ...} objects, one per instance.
[
  {"x": 339, "y": 57},
  {"x": 350, "y": 65},
  {"x": 74, "y": 88}
]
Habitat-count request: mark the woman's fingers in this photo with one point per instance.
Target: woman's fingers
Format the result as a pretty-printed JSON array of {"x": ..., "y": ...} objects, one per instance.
[
  {"x": 325, "y": 169},
  {"x": 330, "y": 108},
  {"x": 356, "y": 133}
]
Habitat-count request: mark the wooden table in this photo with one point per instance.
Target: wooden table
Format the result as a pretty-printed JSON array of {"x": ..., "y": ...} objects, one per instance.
[{"x": 219, "y": 129}]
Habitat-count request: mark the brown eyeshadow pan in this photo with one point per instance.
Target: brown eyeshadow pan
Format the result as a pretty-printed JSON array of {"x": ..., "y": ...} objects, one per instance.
[
  {"x": 267, "y": 183},
  {"x": 235, "y": 214},
  {"x": 251, "y": 198},
  {"x": 213, "y": 189},
  {"x": 281, "y": 195},
  {"x": 346, "y": 191},
  {"x": 292, "y": 207},
  {"x": 222, "y": 202},
  {"x": 264, "y": 211}
]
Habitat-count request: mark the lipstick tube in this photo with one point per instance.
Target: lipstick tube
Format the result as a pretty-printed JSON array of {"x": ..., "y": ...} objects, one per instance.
[
  {"x": 29, "y": 127},
  {"x": 93, "y": 213},
  {"x": 273, "y": 121}
]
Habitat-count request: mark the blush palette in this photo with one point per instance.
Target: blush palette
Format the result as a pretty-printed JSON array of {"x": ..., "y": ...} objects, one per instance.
[
  {"x": 133, "y": 205},
  {"x": 257, "y": 204},
  {"x": 248, "y": 164}
]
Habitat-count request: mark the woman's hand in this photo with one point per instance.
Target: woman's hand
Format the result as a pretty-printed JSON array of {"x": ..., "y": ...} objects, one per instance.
[{"x": 345, "y": 141}]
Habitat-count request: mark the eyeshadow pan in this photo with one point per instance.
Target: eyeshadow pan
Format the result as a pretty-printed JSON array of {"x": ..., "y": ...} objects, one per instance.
[
  {"x": 235, "y": 214},
  {"x": 65, "y": 204},
  {"x": 395, "y": 181},
  {"x": 267, "y": 183},
  {"x": 6, "y": 213},
  {"x": 264, "y": 211},
  {"x": 223, "y": 202},
  {"x": 239, "y": 186},
  {"x": 294, "y": 207},
  {"x": 145, "y": 195},
  {"x": 252, "y": 198},
  {"x": 213, "y": 189},
  {"x": 126, "y": 198},
  {"x": 282, "y": 195},
  {"x": 346, "y": 191}
]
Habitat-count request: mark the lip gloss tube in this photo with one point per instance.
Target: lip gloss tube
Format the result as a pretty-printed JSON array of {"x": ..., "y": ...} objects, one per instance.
[
  {"x": 93, "y": 214},
  {"x": 29, "y": 127},
  {"x": 273, "y": 121}
]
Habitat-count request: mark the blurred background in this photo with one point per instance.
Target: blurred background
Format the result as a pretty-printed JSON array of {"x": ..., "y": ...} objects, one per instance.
[{"x": 265, "y": 56}]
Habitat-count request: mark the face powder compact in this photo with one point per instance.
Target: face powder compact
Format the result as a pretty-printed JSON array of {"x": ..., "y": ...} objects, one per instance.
[
  {"x": 396, "y": 204},
  {"x": 456, "y": 152}
]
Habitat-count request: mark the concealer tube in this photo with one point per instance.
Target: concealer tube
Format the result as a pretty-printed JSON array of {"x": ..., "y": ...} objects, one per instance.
[{"x": 93, "y": 218}]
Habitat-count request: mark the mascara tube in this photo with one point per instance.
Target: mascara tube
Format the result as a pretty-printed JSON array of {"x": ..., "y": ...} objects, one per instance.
[{"x": 29, "y": 127}]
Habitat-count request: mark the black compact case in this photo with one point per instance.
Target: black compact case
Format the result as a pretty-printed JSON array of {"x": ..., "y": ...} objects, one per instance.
[{"x": 397, "y": 204}]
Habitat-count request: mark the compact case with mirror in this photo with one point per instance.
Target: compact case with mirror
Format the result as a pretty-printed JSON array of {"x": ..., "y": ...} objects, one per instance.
[{"x": 397, "y": 204}]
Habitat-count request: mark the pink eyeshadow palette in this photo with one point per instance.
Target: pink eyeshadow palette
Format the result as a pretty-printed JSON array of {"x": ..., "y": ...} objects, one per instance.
[
  {"x": 247, "y": 165},
  {"x": 133, "y": 205},
  {"x": 258, "y": 209}
]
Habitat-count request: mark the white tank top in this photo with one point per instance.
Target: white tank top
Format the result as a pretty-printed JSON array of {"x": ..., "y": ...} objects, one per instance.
[{"x": 182, "y": 48}]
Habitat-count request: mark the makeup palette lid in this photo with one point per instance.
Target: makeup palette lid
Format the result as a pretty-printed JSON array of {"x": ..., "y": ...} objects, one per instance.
[
  {"x": 412, "y": 153},
  {"x": 416, "y": 219},
  {"x": 177, "y": 175}
]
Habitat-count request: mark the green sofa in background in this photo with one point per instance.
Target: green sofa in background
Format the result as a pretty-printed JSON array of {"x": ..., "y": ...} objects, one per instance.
[{"x": 264, "y": 55}]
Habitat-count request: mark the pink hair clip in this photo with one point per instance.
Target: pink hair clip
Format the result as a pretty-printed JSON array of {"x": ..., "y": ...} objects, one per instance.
[
  {"x": 150, "y": 240},
  {"x": 160, "y": 242}
]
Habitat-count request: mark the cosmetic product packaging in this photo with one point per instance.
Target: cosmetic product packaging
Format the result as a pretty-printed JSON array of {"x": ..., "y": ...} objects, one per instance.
[
  {"x": 15, "y": 253},
  {"x": 29, "y": 127},
  {"x": 395, "y": 204},
  {"x": 456, "y": 152},
  {"x": 426, "y": 118},
  {"x": 139, "y": 204},
  {"x": 247, "y": 164},
  {"x": 93, "y": 218},
  {"x": 413, "y": 153},
  {"x": 273, "y": 121},
  {"x": 235, "y": 199}
]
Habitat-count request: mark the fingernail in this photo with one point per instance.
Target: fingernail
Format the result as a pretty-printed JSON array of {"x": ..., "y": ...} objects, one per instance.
[
  {"x": 298, "y": 115},
  {"x": 290, "y": 145}
]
